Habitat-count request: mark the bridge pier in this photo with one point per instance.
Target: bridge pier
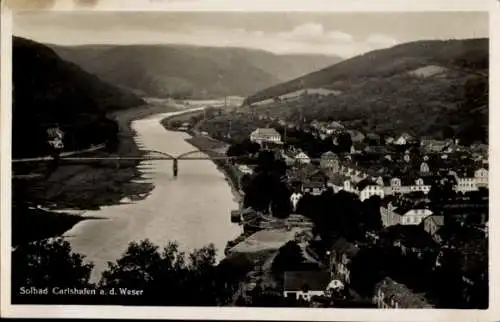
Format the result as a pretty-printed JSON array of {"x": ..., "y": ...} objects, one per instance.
[{"x": 175, "y": 168}]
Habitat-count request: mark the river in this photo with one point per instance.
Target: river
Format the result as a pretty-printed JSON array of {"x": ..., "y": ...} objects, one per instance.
[{"x": 192, "y": 209}]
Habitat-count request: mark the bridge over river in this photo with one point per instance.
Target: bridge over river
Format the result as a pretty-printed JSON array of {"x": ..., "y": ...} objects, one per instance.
[{"x": 192, "y": 209}]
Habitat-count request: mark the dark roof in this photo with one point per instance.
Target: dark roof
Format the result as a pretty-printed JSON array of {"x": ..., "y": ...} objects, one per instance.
[
  {"x": 314, "y": 175},
  {"x": 313, "y": 184},
  {"x": 386, "y": 200},
  {"x": 297, "y": 280},
  {"x": 343, "y": 246},
  {"x": 403, "y": 208},
  {"x": 338, "y": 179},
  {"x": 429, "y": 180},
  {"x": 329, "y": 155},
  {"x": 364, "y": 183}
]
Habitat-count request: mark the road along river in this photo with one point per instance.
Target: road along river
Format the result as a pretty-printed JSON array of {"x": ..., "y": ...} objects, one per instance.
[{"x": 192, "y": 209}]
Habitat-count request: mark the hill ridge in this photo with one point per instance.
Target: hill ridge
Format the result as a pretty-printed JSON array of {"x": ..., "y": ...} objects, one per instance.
[
  {"x": 316, "y": 78},
  {"x": 49, "y": 90},
  {"x": 376, "y": 92},
  {"x": 190, "y": 71}
]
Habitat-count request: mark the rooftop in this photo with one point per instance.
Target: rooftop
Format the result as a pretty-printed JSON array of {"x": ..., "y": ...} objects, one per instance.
[
  {"x": 267, "y": 131},
  {"x": 313, "y": 280},
  {"x": 365, "y": 183}
]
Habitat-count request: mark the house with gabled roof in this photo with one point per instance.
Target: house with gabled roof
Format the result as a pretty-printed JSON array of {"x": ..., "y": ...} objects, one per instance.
[
  {"x": 481, "y": 177},
  {"x": 368, "y": 188},
  {"x": 465, "y": 180},
  {"x": 265, "y": 135},
  {"x": 302, "y": 158},
  {"x": 329, "y": 161},
  {"x": 332, "y": 128},
  {"x": 338, "y": 181},
  {"x": 314, "y": 183},
  {"x": 402, "y": 211},
  {"x": 403, "y": 139}
]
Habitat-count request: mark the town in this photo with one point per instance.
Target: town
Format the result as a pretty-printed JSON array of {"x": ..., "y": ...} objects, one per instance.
[{"x": 378, "y": 221}]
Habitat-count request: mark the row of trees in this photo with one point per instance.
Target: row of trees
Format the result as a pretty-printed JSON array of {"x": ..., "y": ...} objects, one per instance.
[{"x": 165, "y": 276}]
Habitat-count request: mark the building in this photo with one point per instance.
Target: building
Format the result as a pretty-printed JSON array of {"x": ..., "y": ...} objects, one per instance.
[
  {"x": 356, "y": 136},
  {"x": 245, "y": 169},
  {"x": 341, "y": 255},
  {"x": 432, "y": 225},
  {"x": 294, "y": 199},
  {"x": 400, "y": 211},
  {"x": 337, "y": 182},
  {"x": 315, "y": 183},
  {"x": 408, "y": 184},
  {"x": 431, "y": 145},
  {"x": 465, "y": 184},
  {"x": 481, "y": 176},
  {"x": 333, "y": 128},
  {"x": 265, "y": 135},
  {"x": 302, "y": 158},
  {"x": 303, "y": 285},
  {"x": 420, "y": 185},
  {"x": 368, "y": 188},
  {"x": 392, "y": 295},
  {"x": 55, "y": 137},
  {"x": 424, "y": 168},
  {"x": 404, "y": 139},
  {"x": 236, "y": 216},
  {"x": 330, "y": 161}
]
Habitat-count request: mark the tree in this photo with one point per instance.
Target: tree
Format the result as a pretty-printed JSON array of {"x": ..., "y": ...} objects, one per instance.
[
  {"x": 250, "y": 147},
  {"x": 265, "y": 161},
  {"x": 234, "y": 150},
  {"x": 138, "y": 266},
  {"x": 289, "y": 258},
  {"x": 371, "y": 213},
  {"x": 448, "y": 132},
  {"x": 344, "y": 141},
  {"x": 48, "y": 263},
  {"x": 195, "y": 280}
]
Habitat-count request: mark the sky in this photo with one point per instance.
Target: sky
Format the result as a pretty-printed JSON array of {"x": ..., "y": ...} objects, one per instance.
[{"x": 344, "y": 34}]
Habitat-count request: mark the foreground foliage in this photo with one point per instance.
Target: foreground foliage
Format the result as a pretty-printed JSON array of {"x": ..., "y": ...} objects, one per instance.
[{"x": 144, "y": 275}]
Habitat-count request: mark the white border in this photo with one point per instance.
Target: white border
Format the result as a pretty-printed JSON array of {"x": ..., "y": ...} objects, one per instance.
[{"x": 8, "y": 310}]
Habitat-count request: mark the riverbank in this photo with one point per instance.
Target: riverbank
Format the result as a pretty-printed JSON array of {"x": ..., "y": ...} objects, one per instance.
[
  {"x": 212, "y": 148},
  {"x": 231, "y": 173},
  {"x": 80, "y": 185}
]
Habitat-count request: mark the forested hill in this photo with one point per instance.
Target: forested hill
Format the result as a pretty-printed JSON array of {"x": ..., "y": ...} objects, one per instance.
[
  {"x": 49, "y": 90},
  {"x": 420, "y": 87},
  {"x": 183, "y": 71}
]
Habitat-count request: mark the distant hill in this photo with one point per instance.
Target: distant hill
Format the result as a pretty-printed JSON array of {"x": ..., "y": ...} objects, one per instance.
[
  {"x": 183, "y": 71},
  {"x": 48, "y": 90},
  {"x": 423, "y": 87}
]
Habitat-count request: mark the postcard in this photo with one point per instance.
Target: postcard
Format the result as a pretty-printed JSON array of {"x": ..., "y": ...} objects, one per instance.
[{"x": 227, "y": 160}]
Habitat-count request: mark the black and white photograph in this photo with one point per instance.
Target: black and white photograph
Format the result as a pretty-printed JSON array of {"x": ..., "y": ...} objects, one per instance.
[{"x": 279, "y": 159}]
